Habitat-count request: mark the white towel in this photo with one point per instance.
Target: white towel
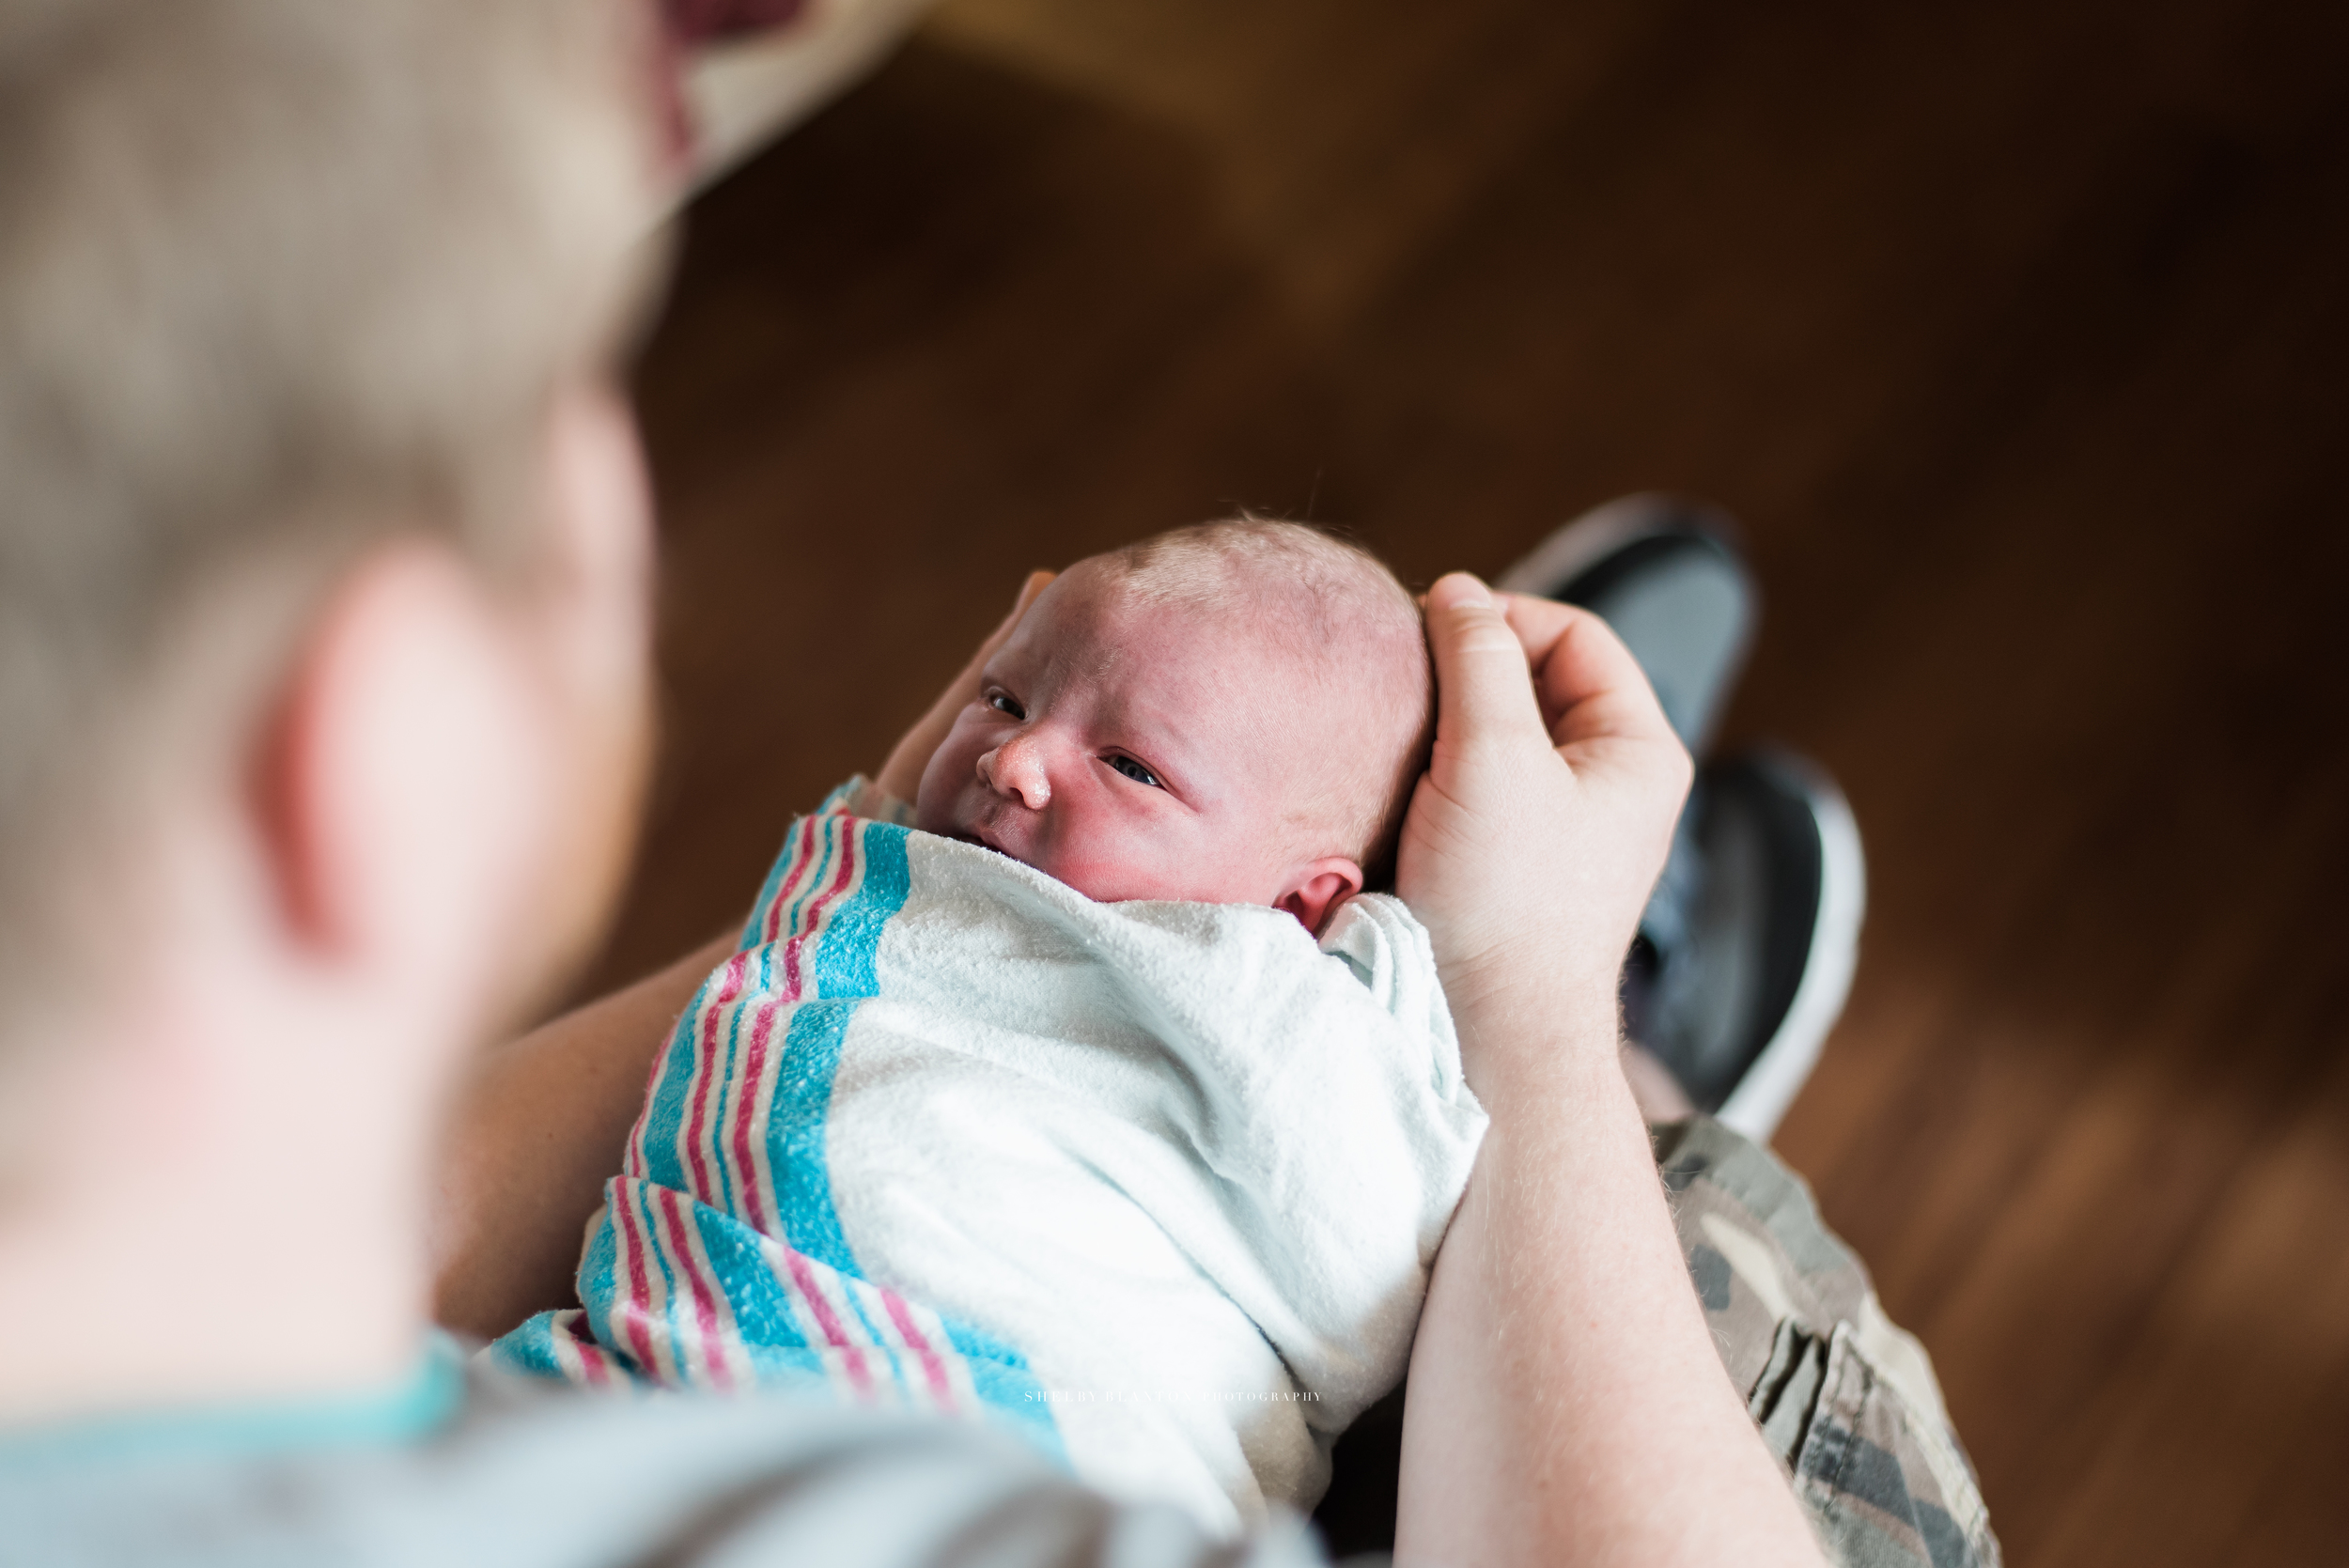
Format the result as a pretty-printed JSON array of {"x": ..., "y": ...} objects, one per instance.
[{"x": 1158, "y": 1184}]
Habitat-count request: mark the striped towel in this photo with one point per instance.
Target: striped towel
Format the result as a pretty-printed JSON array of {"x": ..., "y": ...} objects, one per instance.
[{"x": 1155, "y": 1185}]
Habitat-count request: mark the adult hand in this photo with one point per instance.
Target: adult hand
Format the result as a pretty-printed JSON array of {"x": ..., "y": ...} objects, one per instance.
[
  {"x": 901, "y": 775},
  {"x": 1567, "y": 1403},
  {"x": 1542, "y": 820}
]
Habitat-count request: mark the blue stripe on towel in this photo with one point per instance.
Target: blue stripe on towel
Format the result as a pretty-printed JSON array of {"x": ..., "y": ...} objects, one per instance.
[{"x": 842, "y": 952}]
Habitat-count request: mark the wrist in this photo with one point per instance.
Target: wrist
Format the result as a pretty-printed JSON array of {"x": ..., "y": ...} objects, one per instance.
[{"x": 1531, "y": 1039}]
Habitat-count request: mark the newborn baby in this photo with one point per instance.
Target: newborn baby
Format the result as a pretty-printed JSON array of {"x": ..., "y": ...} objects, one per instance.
[
  {"x": 1233, "y": 714},
  {"x": 1089, "y": 1096}
]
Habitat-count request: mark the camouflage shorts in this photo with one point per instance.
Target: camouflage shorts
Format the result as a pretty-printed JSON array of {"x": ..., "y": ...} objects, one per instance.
[{"x": 1846, "y": 1401}]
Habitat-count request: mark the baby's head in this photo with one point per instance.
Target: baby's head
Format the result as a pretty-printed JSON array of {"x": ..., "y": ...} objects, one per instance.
[{"x": 1233, "y": 713}]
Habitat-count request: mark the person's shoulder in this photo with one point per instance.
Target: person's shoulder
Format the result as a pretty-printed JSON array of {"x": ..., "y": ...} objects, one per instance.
[{"x": 527, "y": 1475}]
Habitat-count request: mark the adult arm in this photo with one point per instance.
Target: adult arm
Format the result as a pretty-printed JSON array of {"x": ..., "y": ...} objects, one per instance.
[
  {"x": 539, "y": 1125},
  {"x": 1567, "y": 1405},
  {"x": 535, "y": 1132}
]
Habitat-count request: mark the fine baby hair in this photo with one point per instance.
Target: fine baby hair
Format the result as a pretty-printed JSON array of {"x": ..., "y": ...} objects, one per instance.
[{"x": 1331, "y": 600}]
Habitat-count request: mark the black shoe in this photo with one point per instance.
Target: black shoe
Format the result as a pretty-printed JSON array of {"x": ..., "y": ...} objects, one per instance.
[{"x": 1667, "y": 576}]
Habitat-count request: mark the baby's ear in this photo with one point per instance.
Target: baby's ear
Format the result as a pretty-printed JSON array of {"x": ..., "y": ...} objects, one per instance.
[{"x": 1317, "y": 889}]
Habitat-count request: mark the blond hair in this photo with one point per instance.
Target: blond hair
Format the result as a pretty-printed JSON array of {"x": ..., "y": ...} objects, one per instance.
[
  {"x": 278, "y": 279},
  {"x": 1337, "y": 605}
]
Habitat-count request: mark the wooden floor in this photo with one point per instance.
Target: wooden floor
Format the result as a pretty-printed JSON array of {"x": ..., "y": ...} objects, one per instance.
[{"x": 2018, "y": 335}]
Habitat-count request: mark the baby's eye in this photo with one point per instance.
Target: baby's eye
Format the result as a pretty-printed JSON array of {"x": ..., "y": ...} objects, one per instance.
[
  {"x": 1003, "y": 702},
  {"x": 1135, "y": 771}
]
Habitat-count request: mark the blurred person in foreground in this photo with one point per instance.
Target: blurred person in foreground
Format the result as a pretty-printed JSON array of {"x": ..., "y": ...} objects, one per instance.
[{"x": 324, "y": 567}]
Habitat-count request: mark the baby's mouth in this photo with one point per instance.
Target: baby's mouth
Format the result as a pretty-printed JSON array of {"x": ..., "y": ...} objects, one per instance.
[{"x": 978, "y": 834}]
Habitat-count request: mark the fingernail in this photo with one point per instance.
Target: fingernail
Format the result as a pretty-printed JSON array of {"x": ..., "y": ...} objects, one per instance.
[{"x": 1463, "y": 592}]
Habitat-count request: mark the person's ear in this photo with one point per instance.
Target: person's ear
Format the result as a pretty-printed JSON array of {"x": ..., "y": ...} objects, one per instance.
[
  {"x": 600, "y": 513},
  {"x": 395, "y": 783},
  {"x": 592, "y": 618},
  {"x": 1314, "y": 890}
]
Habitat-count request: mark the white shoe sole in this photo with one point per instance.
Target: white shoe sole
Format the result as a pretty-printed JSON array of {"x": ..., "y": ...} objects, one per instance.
[{"x": 1761, "y": 1099}]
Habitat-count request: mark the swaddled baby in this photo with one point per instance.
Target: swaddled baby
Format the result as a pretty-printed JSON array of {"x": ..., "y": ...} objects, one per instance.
[{"x": 1089, "y": 1094}]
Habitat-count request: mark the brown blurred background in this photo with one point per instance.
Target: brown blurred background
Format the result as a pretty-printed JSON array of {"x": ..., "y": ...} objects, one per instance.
[{"x": 2016, "y": 336}]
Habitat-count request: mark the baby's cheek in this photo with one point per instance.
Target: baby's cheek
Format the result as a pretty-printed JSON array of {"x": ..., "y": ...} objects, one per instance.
[
  {"x": 929, "y": 801},
  {"x": 1107, "y": 866},
  {"x": 1100, "y": 875},
  {"x": 951, "y": 767},
  {"x": 1144, "y": 864}
]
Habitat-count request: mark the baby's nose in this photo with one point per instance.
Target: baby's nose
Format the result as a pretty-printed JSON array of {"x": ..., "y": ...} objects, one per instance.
[{"x": 1015, "y": 768}]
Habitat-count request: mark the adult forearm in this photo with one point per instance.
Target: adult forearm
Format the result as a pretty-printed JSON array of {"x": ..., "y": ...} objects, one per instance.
[
  {"x": 1566, "y": 1402},
  {"x": 534, "y": 1136}
]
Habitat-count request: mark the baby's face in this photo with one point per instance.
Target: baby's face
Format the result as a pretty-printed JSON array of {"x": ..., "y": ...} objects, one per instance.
[{"x": 1137, "y": 751}]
